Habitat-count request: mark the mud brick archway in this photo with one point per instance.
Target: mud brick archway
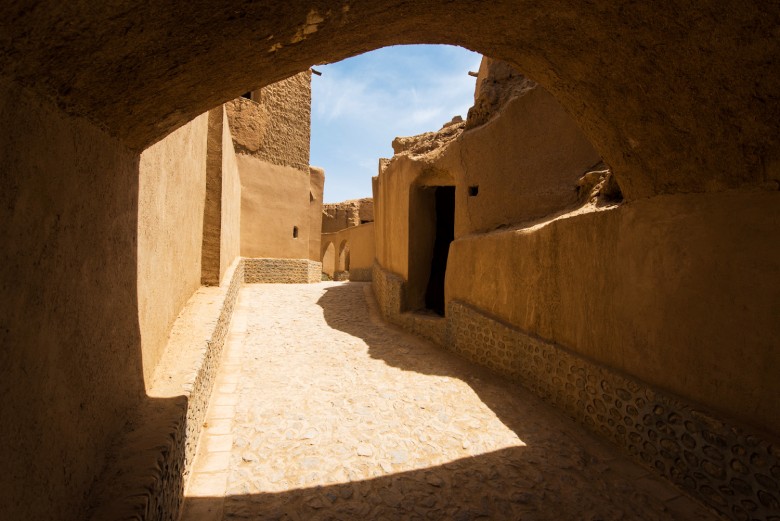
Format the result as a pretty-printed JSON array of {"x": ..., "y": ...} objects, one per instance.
[
  {"x": 657, "y": 88},
  {"x": 676, "y": 97}
]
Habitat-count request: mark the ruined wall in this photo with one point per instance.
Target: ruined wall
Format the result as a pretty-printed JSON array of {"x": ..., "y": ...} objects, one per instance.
[
  {"x": 170, "y": 232},
  {"x": 337, "y": 216},
  {"x": 497, "y": 83},
  {"x": 275, "y": 126},
  {"x": 248, "y": 125},
  {"x": 288, "y": 136},
  {"x": 70, "y": 363},
  {"x": 521, "y": 165},
  {"x": 274, "y": 200}
]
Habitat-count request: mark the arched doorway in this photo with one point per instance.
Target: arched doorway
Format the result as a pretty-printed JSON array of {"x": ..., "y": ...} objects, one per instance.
[
  {"x": 342, "y": 270},
  {"x": 329, "y": 260}
]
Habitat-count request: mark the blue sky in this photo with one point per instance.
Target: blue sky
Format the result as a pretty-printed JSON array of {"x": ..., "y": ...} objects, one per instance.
[{"x": 360, "y": 104}]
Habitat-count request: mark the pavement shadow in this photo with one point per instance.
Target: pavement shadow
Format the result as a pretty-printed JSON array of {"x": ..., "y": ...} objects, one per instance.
[
  {"x": 347, "y": 308},
  {"x": 560, "y": 472},
  {"x": 502, "y": 485}
]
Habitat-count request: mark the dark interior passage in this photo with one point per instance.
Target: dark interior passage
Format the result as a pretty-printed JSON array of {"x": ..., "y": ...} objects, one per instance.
[{"x": 445, "y": 233}]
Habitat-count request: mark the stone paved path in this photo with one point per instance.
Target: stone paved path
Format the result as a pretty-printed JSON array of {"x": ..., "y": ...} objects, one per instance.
[{"x": 322, "y": 411}]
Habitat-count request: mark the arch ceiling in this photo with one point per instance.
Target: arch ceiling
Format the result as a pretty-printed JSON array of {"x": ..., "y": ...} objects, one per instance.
[{"x": 677, "y": 96}]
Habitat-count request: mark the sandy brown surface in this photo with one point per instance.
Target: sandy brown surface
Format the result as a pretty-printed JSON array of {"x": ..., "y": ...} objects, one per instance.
[{"x": 322, "y": 411}]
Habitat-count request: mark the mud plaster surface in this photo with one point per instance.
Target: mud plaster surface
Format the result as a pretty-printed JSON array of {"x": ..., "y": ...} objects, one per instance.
[{"x": 323, "y": 411}]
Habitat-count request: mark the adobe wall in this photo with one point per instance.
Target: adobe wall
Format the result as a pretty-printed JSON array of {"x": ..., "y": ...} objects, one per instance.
[
  {"x": 653, "y": 322},
  {"x": 653, "y": 289},
  {"x": 316, "y": 188},
  {"x": 536, "y": 176},
  {"x": 211, "y": 251},
  {"x": 230, "y": 238},
  {"x": 391, "y": 196},
  {"x": 718, "y": 461},
  {"x": 194, "y": 170},
  {"x": 524, "y": 164},
  {"x": 150, "y": 462},
  {"x": 274, "y": 199},
  {"x": 280, "y": 192},
  {"x": 360, "y": 241},
  {"x": 230, "y": 198},
  {"x": 123, "y": 242},
  {"x": 361, "y": 251},
  {"x": 70, "y": 363},
  {"x": 172, "y": 192}
]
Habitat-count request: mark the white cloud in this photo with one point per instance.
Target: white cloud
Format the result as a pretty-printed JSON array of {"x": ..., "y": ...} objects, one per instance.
[{"x": 361, "y": 104}]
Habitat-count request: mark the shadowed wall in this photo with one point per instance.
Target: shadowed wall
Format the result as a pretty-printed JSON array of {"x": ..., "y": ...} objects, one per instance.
[{"x": 675, "y": 97}]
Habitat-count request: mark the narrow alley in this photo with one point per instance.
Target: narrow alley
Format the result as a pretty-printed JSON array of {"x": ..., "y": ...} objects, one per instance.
[{"x": 323, "y": 411}]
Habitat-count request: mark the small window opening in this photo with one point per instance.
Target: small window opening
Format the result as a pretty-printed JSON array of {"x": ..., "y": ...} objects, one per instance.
[
  {"x": 295, "y": 232},
  {"x": 247, "y": 95},
  {"x": 473, "y": 190},
  {"x": 362, "y": 221}
]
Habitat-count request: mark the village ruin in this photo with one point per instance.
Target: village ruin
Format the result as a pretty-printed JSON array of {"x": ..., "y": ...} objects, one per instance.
[{"x": 564, "y": 304}]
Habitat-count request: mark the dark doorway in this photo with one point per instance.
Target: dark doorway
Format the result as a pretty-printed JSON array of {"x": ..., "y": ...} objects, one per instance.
[{"x": 445, "y": 233}]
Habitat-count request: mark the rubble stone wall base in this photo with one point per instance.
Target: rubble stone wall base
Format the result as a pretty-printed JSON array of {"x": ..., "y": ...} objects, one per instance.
[
  {"x": 147, "y": 473},
  {"x": 724, "y": 465},
  {"x": 360, "y": 274},
  {"x": 390, "y": 294},
  {"x": 286, "y": 271}
]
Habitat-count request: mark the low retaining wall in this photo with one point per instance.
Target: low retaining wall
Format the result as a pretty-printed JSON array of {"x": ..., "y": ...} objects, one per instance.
[
  {"x": 727, "y": 467},
  {"x": 286, "y": 271},
  {"x": 146, "y": 473},
  {"x": 360, "y": 274},
  {"x": 390, "y": 295}
]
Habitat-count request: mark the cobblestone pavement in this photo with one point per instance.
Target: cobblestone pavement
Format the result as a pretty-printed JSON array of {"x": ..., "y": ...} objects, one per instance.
[{"x": 322, "y": 411}]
